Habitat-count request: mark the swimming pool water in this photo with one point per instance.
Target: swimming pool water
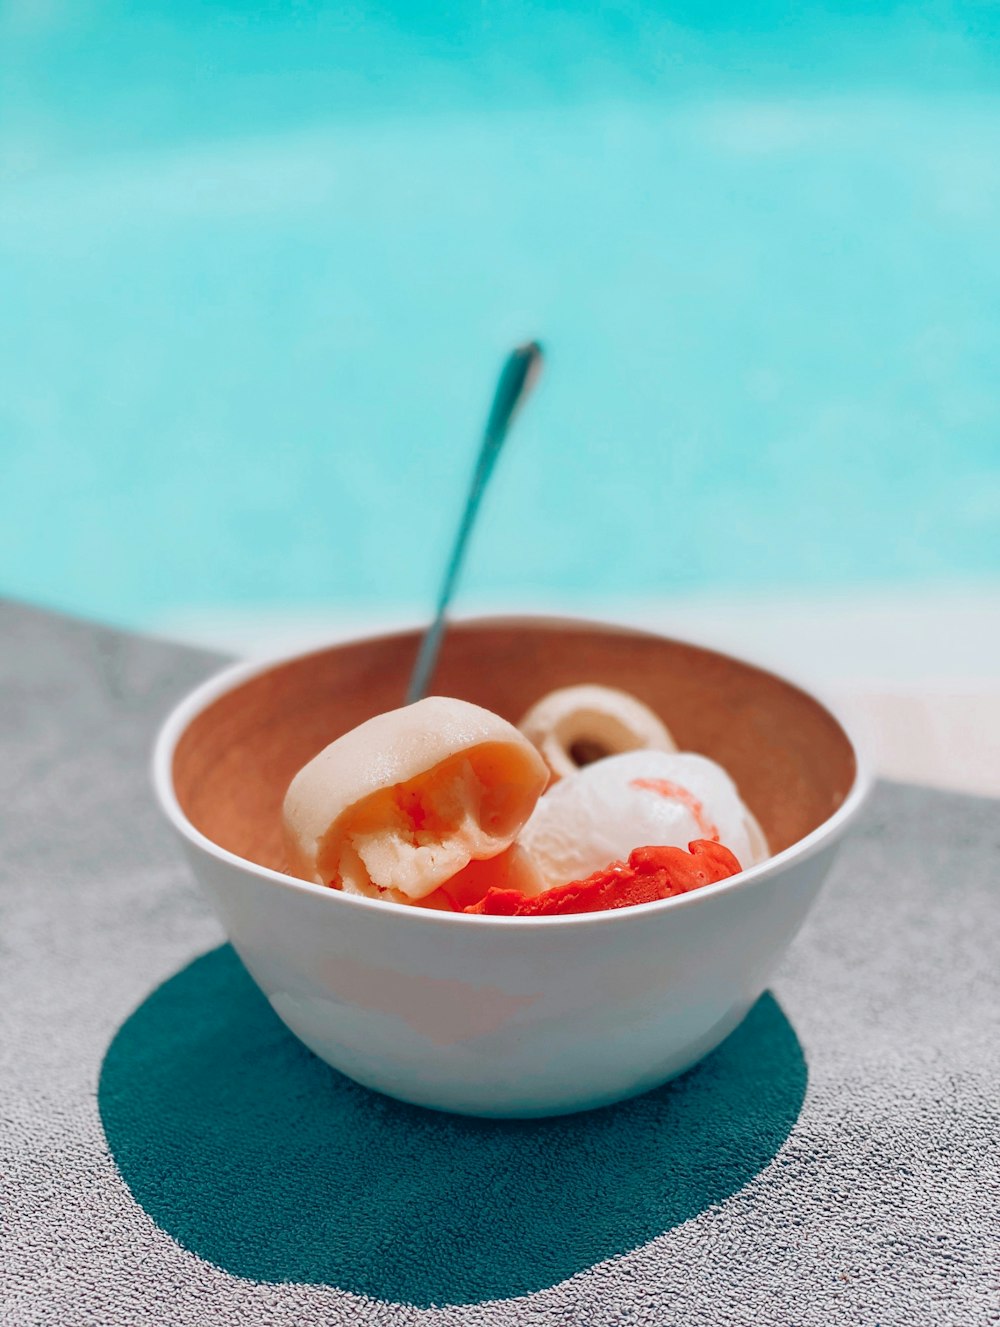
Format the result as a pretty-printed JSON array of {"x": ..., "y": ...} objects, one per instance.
[{"x": 257, "y": 276}]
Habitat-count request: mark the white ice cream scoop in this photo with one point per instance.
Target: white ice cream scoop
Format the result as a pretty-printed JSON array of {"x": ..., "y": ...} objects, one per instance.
[
  {"x": 575, "y": 726},
  {"x": 406, "y": 800},
  {"x": 603, "y": 811}
]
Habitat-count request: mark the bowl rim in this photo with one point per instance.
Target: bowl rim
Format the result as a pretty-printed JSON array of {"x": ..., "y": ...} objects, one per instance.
[{"x": 233, "y": 675}]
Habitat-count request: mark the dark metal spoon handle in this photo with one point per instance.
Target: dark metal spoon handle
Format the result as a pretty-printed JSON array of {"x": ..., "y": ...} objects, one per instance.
[{"x": 517, "y": 377}]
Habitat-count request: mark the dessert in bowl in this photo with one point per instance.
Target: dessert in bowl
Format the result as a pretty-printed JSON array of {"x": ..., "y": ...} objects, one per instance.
[{"x": 479, "y": 1011}]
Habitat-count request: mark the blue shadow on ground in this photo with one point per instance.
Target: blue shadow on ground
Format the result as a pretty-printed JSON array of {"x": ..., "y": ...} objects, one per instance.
[{"x": 256, "y": 1156}]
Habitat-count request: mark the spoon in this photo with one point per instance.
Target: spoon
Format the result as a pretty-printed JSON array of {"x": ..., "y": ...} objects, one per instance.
[{"x": 517, "y": 377}]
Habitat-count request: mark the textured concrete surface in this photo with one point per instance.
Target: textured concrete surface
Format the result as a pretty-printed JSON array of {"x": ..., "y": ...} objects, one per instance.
[{"x": 880, "y": 1208}]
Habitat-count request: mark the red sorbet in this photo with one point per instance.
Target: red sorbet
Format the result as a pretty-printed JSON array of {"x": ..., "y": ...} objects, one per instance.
[{"x": 650, "y": 874}]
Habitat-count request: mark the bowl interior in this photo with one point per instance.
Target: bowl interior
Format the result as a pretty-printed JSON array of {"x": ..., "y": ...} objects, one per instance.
[{"x": 790, "y": 758}]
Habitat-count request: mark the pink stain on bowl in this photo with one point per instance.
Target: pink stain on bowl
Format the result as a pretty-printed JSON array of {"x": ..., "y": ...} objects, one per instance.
[{"x": 443, "y": 1010}]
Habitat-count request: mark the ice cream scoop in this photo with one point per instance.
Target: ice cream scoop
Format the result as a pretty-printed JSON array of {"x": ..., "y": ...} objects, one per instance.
[
  {"x": 575, "y": 726},
  {"x": 649, "y": 875},
  {"x": 405, "y": 801},
  {"x": 643, "y": 798}
]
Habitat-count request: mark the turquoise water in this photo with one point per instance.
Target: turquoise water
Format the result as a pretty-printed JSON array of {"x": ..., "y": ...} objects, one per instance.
[{"x": 257, "y": 273}]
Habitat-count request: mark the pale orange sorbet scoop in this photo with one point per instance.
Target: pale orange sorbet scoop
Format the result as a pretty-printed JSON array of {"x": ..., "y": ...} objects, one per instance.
[{"x": 407, "y": 800}]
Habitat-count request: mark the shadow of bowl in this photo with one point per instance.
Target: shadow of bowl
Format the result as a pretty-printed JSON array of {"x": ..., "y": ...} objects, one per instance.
[{"x": 258, "y": 1157}]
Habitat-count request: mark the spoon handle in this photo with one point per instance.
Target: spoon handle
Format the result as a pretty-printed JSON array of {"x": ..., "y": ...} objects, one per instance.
[{"x": 517, "y": 377}]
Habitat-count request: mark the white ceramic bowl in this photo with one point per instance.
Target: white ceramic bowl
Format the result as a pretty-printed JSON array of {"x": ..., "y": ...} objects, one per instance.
[{"x": 494, "y": 1015}]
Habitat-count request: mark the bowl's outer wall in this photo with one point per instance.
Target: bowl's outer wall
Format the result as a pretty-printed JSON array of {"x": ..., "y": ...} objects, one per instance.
[
  {"x": 791, "y": 760},
  {"x": 511, "y": 1019},
  {"x": 502, "y": 1017}
]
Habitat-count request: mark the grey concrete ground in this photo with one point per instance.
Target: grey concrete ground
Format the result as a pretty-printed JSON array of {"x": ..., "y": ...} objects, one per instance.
[{"x": 880, "y": 1207}]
